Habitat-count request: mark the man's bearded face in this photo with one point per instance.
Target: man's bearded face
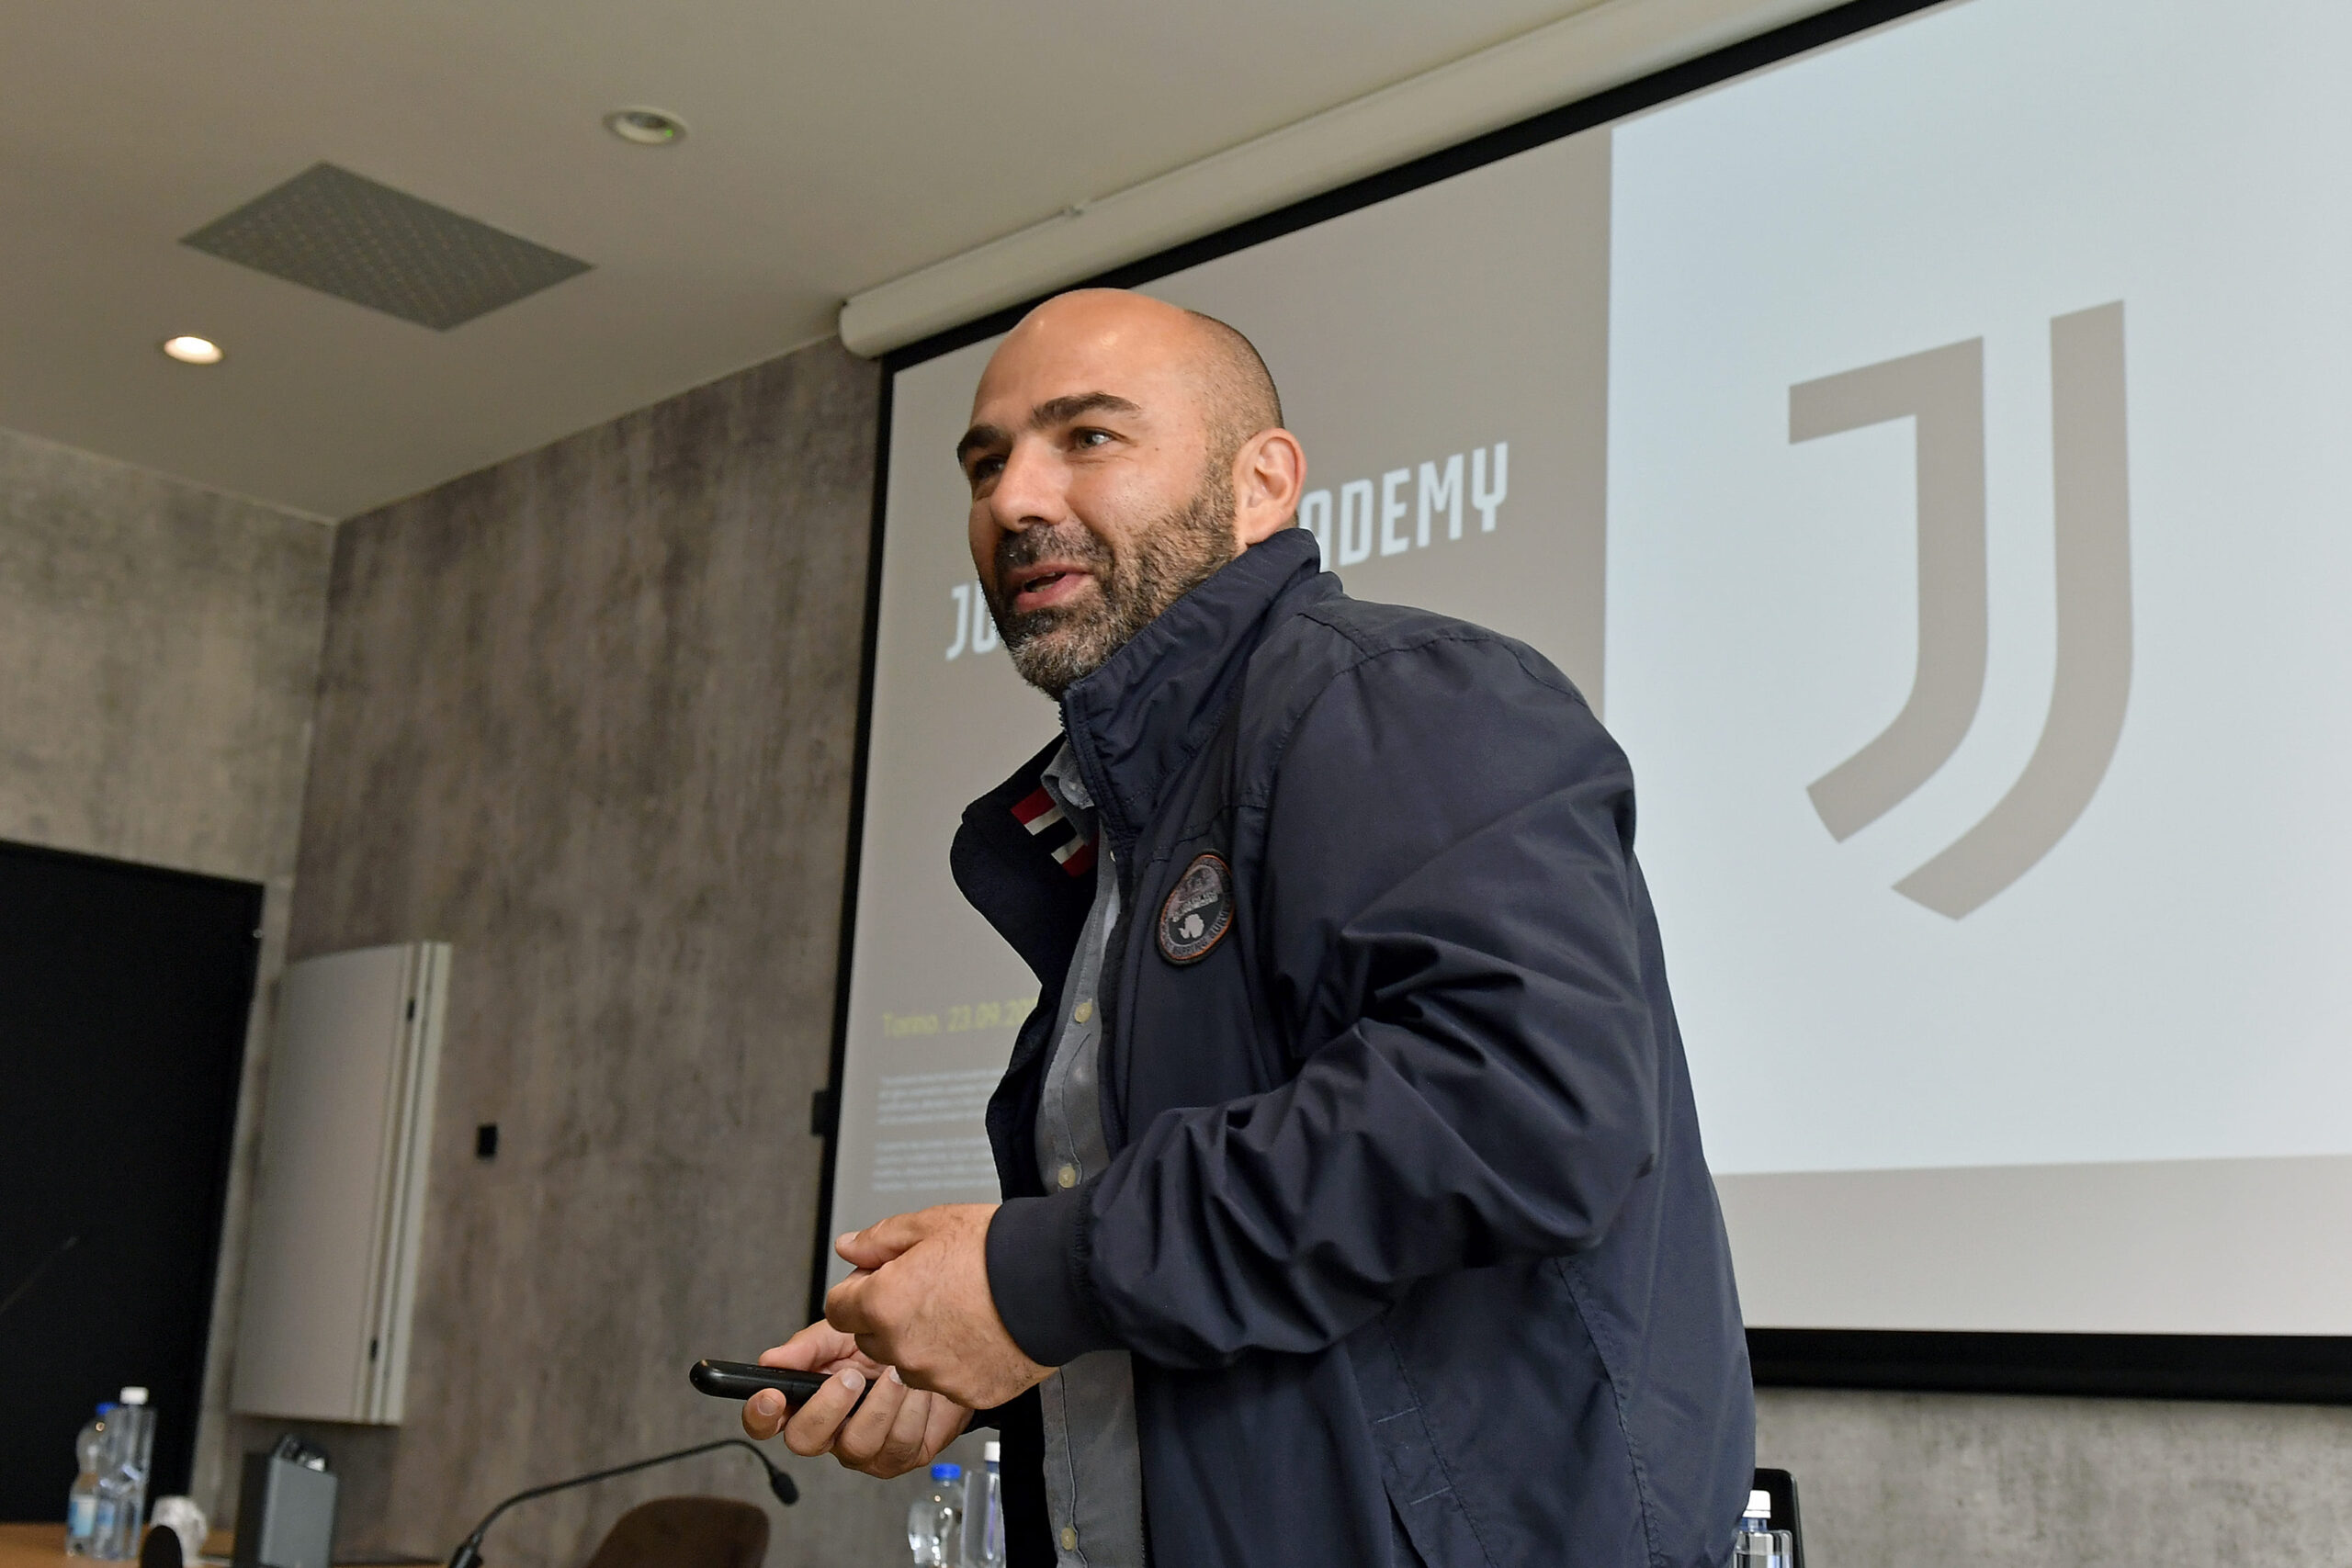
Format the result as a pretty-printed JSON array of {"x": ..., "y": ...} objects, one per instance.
[{"x": 1134, "y": 581}]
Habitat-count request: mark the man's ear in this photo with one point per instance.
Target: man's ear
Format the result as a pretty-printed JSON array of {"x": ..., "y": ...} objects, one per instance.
[{"x": 1269, "y": 476}]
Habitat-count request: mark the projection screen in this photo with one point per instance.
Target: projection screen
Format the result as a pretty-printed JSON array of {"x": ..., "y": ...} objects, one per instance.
[{"x": 1927, "y": 454}]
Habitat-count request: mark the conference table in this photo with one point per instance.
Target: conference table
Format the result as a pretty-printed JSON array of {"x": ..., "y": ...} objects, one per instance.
[
  {"x": 44, "y": 1546},
  {"x": 34, "y": 1546}
]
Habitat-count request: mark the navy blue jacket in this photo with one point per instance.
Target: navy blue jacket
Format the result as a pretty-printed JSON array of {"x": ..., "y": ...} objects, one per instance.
[{"x": 1406, "y": 1222}]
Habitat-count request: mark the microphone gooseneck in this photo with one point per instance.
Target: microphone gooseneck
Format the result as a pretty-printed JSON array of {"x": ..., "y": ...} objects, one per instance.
[
  {"x": 469, "y": 1552},
  {"x": 25, "y": 1286}
]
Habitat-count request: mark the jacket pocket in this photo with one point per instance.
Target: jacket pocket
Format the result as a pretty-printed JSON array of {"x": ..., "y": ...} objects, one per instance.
[
  {"x": 1431, "y": 1511},
  {"x": 1500, "y": 1436}
]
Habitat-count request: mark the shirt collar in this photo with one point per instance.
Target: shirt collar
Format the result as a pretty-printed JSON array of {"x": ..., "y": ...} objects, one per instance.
[{"x": 1066, "y": 784}]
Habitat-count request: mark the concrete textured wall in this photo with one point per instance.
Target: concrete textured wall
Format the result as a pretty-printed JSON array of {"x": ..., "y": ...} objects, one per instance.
[
  {"x": 1966, "y": 1481},
  {"x": 159, "y": 648},
  {"x": 590, "y": 716}
]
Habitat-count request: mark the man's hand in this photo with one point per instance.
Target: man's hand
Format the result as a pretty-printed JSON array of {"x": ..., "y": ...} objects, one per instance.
[
  {"x": 920, "y": 1301},
  {"x": 896, "y": 1431}
]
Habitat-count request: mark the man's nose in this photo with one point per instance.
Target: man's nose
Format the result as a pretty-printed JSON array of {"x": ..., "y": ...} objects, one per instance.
[{"x": 1030, "y": 491}]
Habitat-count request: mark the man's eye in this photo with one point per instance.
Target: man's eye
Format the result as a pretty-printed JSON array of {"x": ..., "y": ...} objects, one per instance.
[
  {"x": 1090, "y": 437},
  {"x": 985, "y": 468}
]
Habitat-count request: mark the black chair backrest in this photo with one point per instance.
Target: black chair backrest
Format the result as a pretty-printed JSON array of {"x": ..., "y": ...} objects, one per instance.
[
  {"x": 162, "y": 1549},
  {"x": 685, "y": 1533}
]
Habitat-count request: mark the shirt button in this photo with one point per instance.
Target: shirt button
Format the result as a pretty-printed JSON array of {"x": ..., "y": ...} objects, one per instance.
[
  {"x": 1067, "y": 1175},
  {"x": 1085, "y": 1011},
  {"x": 1069, "y": 1537}
]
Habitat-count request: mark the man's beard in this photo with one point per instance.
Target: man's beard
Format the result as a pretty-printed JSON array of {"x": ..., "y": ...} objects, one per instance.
[{"x": 1059, "y": 646}]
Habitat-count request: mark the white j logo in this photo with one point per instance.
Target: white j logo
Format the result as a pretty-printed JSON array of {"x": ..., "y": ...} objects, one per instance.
[{"x": 1942, "y": 391}]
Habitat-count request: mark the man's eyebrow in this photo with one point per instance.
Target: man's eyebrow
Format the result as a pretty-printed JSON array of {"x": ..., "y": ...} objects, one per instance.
[
  {"x": 1061, "y": 411},
  {"x": 979, "y": 437},
  {"x": 1051, "y": 411}
]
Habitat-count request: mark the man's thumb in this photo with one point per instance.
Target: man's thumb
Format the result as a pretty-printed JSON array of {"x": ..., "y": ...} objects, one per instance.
[{"x": 874, "y": 1245}]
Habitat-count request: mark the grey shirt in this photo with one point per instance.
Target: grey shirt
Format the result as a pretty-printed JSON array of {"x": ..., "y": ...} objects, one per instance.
[{"x": 1093, "y": 1471}]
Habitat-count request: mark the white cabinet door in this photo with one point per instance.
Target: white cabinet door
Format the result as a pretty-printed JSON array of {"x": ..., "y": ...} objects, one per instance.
[{"x": 346, "y": 1133}]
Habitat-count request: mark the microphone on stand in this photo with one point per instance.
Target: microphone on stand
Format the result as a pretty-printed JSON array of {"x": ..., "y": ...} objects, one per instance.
[{"x": 469, "y": 1552}]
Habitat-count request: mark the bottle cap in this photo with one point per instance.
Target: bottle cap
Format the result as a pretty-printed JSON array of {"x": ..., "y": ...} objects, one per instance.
[
  {"x": 134, "y": 1397},
  {"x": 105, "y": 1405},
  {"x": 990, "y": 1452},
  {"x": 946, "y": 1471},
  {"x": 1759, "y": 1505}
]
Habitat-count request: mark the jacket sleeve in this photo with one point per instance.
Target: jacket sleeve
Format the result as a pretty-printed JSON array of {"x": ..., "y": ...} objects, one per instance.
[{"x": 1452, "y": 929}]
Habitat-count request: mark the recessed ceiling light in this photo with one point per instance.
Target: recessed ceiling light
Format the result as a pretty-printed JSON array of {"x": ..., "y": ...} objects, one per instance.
[
  {"x": 647, "y": 127},
  {"x": 193, "y": 350}
]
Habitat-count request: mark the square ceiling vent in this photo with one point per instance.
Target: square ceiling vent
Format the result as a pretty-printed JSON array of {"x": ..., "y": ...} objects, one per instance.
[{"x": 331, "y": 229}]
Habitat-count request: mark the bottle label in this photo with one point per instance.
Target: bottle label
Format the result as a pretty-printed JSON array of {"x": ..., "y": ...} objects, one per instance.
[{"x": 81, "y": 1518}]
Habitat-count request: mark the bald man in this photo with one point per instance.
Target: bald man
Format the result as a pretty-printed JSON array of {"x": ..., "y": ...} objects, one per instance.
[{"x": 1354, "y": 1210}]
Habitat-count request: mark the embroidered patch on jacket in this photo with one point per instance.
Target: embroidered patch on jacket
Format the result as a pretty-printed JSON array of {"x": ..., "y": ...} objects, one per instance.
[
  {"x": 1198, "y": 913},
  {"x": 1051, "y": 826}
]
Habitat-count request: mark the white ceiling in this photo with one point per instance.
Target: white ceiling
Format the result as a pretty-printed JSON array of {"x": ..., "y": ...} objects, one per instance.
[{"x": 833, "y": 148}]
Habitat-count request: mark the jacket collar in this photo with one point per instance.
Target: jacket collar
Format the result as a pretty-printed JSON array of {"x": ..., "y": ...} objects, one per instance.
[
  {"x": 1025, "y": 868},
  {"x": 1136, "y": 722}
]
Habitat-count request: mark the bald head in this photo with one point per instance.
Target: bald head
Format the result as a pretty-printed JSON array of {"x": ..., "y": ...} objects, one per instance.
[
  {"x": 1234, "y": 392},
  {"x": 1238, "y": 387}
]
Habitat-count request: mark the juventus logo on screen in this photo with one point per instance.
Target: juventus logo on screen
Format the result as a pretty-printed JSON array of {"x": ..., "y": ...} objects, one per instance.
[{"x": 1942, "y": 391}]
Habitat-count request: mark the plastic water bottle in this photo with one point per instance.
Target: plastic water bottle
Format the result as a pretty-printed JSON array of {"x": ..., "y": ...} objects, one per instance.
[
  {"x": 122, "y": 1481},
  {"x": 81, "y": 1502},
  {"x": 1761, "y": 1546},
  {"x": 984, "y": 1515},
  {"x": 934, "y": 1524}
]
